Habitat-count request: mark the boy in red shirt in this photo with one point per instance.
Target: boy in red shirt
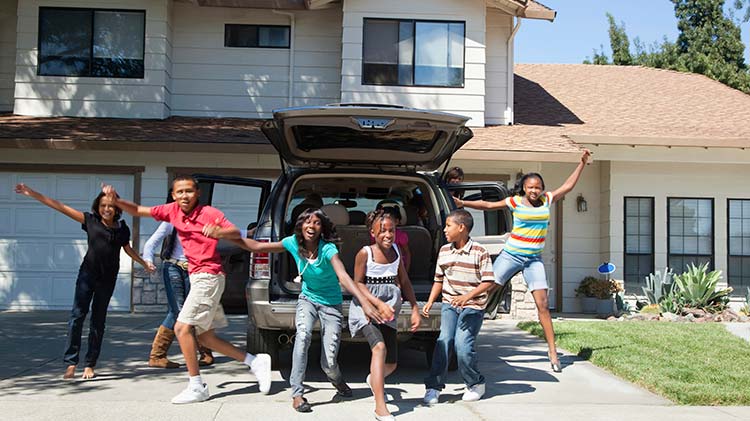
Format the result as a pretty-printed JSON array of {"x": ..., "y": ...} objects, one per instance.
[{"x": 202, "y": 310}]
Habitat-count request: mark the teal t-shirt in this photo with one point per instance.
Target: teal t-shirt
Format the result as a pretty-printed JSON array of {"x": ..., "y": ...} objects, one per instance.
[{"x": 319, "y": 281}]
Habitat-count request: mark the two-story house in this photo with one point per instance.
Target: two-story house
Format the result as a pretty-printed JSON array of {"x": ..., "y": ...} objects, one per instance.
[{"x": 132, "y": 92}]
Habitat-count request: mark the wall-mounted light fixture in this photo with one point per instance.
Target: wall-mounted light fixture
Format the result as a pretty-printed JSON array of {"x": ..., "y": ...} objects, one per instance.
[{"x": 581, "y": 204}]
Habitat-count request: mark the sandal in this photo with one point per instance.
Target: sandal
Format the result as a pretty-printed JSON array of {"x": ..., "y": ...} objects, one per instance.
[{"x": 304, "y": 406}]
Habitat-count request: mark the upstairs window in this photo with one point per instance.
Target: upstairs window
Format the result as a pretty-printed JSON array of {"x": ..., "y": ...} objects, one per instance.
[
  {"x": 256, "y": 36},
  {"x": 413, "y": 53},
  {"x": 90, "y": 42}
]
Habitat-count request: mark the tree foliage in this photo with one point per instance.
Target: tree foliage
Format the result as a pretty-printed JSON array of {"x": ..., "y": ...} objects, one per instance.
[{"x": 709, "y": 43}]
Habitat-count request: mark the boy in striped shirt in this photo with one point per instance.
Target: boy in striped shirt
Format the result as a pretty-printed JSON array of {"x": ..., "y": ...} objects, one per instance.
[{"x": 463, "y": 275}]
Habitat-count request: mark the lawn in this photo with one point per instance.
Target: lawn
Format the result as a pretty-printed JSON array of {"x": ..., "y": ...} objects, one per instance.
[{"x": 690, "y": 364}]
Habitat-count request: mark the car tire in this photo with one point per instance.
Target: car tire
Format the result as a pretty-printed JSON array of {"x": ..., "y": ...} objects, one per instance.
[{"x": 263, "y": 341}]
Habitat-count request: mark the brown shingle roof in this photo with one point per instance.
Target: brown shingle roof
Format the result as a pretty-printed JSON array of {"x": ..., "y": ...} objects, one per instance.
[{"x": 555, "y": 103}]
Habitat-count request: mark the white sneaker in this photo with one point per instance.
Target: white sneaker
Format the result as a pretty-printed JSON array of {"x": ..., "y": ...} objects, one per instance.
[
  {"x": 431, "y": 396},
  {"x": 386, "y": 396},
  {"x": 192, "y": 394},
  {"x": 473, "y": 393},
  {"x": 261, "y": 368}
]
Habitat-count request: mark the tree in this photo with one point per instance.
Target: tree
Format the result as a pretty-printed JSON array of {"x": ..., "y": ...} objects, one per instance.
[{"x": 709, "y": 43}]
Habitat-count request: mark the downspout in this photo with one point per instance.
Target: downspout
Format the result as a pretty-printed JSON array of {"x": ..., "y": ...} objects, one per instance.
[
  {"x": 511, "y": 61},
  {"x": 290, "y": 94}
]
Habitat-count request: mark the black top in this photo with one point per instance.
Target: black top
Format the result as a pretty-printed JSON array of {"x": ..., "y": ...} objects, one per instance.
[{"x": 103, "y": 255}]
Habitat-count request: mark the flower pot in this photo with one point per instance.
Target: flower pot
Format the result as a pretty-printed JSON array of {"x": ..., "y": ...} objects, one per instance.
[
  {"x": 604, "y": 307},
  {"x": 588, "y": 305}
]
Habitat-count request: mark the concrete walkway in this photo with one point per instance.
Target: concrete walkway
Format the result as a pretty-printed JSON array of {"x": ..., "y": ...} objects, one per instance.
[{"x": 520, "y": 384}]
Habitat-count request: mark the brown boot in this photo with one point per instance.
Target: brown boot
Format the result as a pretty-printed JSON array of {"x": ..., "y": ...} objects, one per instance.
[
  {"x": 158, "y": 356},
  {"x": 206, "y": 357}
]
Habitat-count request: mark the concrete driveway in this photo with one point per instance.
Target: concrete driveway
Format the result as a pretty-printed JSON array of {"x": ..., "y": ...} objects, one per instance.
[{"x": 520, "y": 384}]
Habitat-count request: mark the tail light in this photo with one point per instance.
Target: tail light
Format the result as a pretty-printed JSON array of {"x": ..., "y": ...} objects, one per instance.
[{"x": 260, "y": 263}]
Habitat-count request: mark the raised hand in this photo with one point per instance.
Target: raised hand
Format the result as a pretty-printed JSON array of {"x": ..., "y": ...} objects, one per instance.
[
  {"x": 24, "y": 189},
  {"x": 585, "y": 156}
]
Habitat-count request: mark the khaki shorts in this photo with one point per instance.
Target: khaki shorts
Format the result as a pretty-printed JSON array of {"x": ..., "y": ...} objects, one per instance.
[{"x": 202, "y": 308}]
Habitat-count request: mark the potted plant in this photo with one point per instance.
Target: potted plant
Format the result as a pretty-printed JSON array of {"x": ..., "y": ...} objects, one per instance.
[
  {"x": 585, "y": 290},
  {"x": 605, "y": 290}
]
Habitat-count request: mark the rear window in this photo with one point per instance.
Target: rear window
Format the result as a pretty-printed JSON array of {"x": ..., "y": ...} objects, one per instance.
[{"x": 323, "y": 137}]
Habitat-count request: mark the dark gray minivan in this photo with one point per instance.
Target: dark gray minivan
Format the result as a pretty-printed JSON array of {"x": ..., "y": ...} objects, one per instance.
[{"x": 347, "y": 159}]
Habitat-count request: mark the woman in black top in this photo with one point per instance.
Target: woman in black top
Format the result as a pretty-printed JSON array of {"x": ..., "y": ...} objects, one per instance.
[{"x": 97, "y": 276}]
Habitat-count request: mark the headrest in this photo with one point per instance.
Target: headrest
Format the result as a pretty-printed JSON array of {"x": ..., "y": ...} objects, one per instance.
[
  {"x": 357, "y": 217},
  {"x": 336, "y": 213},
  {"x": 412, "y": 215},
  {"x": 392, "y": 203},
  {"x": 313, "y": 200}
]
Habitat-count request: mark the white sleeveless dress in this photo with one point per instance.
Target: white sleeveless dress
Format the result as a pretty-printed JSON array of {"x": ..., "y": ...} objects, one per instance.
[{"x": 381, "y": 281}]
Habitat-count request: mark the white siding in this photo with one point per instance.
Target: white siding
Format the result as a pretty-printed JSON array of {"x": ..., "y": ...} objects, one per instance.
[
  {"x": 468, "y": 100},
  {"x": 93, "y": 96},
  {"x": 8, "y": 21},
  {"x": 212, "y": 80},
  {"x": 497, "y": 110}
]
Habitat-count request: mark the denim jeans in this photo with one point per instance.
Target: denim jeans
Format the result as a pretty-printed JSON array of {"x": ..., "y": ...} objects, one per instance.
[
  {"x": 177, "y": 287},
  {"x": 459, "y": 328},
  {"x": 331, "y": 318},
  {"x": 95, "y": 292},
  {"x": 507, "y": 264}
]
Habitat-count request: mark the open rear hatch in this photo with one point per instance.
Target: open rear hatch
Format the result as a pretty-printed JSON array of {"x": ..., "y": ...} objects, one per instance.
[{"x": 389, "y": 138}]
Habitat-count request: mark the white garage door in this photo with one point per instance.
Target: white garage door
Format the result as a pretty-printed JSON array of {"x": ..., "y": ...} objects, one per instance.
[{"x": 42, "y": 249}]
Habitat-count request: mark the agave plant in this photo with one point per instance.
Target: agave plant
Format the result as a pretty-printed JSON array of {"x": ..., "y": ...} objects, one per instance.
[
  {"x": 658, "y": 285},
  {"x": 746, "y": 308},
  {"x": 697, "y": 288}
]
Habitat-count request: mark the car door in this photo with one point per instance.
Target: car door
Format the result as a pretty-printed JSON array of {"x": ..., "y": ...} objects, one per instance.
[{"x": 241, "y": 200}]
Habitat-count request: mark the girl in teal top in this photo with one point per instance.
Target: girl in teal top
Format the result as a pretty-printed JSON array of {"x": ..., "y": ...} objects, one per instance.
[{"x": 321, "y": 272}]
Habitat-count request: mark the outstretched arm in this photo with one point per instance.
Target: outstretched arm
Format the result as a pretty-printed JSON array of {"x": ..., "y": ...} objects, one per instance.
[
  {"x": 258, "y": 246},
  {"x": 126, "y": 205},
  {"x": 568, "y": 185},
  {"x": 133, "y": 255},
  {"x": 479, "y": 204},
  {"x": 61, "y": 207}
]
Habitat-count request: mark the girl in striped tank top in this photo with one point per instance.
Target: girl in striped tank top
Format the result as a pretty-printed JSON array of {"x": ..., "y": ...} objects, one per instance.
[
  {"x": 381, "y": 277},
  {"x": 530, "y": 205}
]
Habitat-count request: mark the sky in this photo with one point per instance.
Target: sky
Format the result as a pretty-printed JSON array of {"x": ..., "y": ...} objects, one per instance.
[{"x": 581, "y": 26}]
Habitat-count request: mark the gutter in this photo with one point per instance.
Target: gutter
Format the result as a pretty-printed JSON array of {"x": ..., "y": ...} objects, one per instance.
[
  {"x": 509, "y": 114},
  {"x": 290, "y": 93}
]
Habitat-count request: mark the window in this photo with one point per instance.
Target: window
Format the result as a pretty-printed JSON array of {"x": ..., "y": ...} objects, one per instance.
[
  {"x": 639, "y": 241},
  {"x": 738, "y": 260},
  {"x": 256, "y": 36},
  {"x": 690, "y": 232},
  {"x": 413, "y": 53},
  {"x": 88, "y": 42}
]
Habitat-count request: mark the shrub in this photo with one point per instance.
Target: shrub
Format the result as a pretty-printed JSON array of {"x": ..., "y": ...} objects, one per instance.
[
  {"x": 697, "y": 289},
  {"x": 658, "y": 285},
  {"x": 746, "y": 308},
  {"x": 651, "y": 309},
  {"x": 586, "y": 287},
  {"x": 606, "y": 288}
]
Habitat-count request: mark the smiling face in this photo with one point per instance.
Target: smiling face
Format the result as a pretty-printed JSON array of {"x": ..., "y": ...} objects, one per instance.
[
  {"x": 186, "y": 194},
  {"x": 384, "y": 231},
  {"x": 533, "y": 188},
  {"x": 107, "y": 209},
  {"x": 311, "y": 229}
]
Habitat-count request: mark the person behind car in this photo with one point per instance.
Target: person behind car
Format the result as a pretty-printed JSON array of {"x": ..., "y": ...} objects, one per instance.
[
  {"x": 463, "y": 275},
  {"x": 380, "y": 274},
  {"x": 455, "y": 176},
  {"x": 202, "y": 311},
  {"x": 321, "y": 272},
  {"x": 530, "y": 205},
  {"x": 97, "y": 276}
]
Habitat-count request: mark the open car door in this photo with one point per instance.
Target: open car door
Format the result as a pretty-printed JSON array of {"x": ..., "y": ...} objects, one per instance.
[{"x": 241, "y": 200}]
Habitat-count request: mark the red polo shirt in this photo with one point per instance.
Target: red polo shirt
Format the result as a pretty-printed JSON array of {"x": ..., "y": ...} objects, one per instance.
[{"x": 200, "y": 250}]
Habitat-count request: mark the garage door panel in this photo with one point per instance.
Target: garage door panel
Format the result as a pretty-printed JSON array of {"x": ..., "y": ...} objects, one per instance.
[
  {"x": 33, "y": 289},
  {"x": 64, "y": 225},
  {"x": 6, "y": 186},
  {"x": 40, "y": 183},
  {"x": 5, "y": 226},
  {"x": 67, "y": 255},
  {"x": 32, "y": 220},
  {"x": 69, "y": 189},
  {"x": 33, "y": 255},
  {"x": 7, "y": 254}
]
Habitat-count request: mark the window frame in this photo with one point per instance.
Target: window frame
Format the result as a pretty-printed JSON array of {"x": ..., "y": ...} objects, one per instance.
[
  {"x": 625, "y": 235},
  {"x": 92, "y": 11},
  {"x": 414, "y": 53},
  {"x": 257, "y": 38},
  {"x": 738, "y": 291},
  {"x": 712, "y": 261}
]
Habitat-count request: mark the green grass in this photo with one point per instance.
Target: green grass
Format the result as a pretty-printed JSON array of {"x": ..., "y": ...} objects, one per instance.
[{"x": 690, "y": 364}]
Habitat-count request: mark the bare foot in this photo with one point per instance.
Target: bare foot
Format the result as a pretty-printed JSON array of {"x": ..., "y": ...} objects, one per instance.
[
  {"x": 88, "y": 373},
  {"x": 70, "y": 372}
]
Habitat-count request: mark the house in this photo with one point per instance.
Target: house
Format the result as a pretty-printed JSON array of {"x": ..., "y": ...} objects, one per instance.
[{"x": 138, "y": 91}]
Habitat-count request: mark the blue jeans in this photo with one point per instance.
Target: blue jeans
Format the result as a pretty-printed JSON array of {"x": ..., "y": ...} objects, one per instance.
[
  {"x": 507, "y": 264},
  {"x": 177, "y": 287},
  {"x": 459, "y": 328},
  {"x": 95, "y": 292},
  {"x": 331, "y": 318}
]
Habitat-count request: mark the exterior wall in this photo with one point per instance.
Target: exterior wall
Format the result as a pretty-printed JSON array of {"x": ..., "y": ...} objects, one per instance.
[
  {"x": 497, "y": 110},
  {"x": 92, "y": 96},
  {"x": 468, "y": 100},
  {"x": 8, "y": 21},
  {"x": 216, "y": 81}
]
